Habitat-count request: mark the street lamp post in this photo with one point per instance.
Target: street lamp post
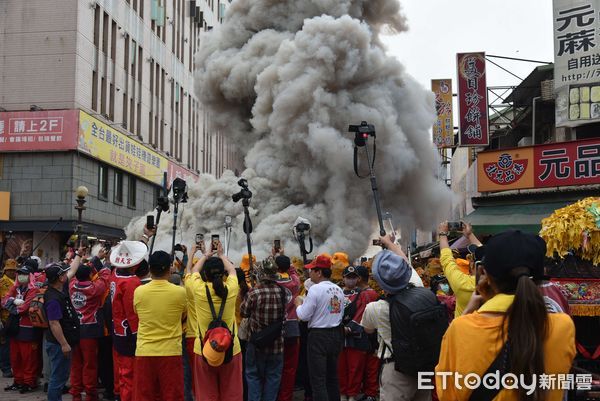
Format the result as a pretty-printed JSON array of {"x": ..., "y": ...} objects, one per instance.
[{"x": 81, "y": 192}]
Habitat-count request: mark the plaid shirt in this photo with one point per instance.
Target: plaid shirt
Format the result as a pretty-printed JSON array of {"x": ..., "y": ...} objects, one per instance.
[{"x": 263, "y": 306}]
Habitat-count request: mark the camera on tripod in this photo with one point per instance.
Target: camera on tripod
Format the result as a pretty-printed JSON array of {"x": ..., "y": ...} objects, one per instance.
[
  {"x": 244, "y": 193},
  {"x": 362, "y": 132},
  {"x": 179, "y": 188}
]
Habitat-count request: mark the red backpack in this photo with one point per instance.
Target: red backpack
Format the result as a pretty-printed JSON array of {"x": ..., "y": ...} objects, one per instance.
[{"x": 37, "y": 313}]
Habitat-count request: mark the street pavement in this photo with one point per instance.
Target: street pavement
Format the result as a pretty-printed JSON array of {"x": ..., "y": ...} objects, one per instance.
[
  {"x": 16, "y": 396},
  {"x": 39, "y": 395}
]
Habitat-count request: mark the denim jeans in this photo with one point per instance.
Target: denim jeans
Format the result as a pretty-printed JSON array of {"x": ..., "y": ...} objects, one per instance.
[
  {"x": 60, "y": 367},
  {"x": 263, "y": 374},
  {"x": 5, "y": 355}
]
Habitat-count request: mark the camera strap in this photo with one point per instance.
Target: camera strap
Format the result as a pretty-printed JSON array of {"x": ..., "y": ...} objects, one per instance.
[{"x": 356, "y": 160}]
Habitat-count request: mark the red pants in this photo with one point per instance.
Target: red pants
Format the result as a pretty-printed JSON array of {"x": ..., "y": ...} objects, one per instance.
[
  {"x": 158, "y": 378},
  {"x": 116, "y": 386},
  {"x": 25, "y": 361},
  {"x": 371, "y": 379},
  {"x": 125, "y": 376},
  {"x": 84, "y": 370},
  {"x": 291, "y": 351},
  {"x": 222, "y": 383},
  {"x": 189, "y": 349},
  {"x": 351, "y": 369}
]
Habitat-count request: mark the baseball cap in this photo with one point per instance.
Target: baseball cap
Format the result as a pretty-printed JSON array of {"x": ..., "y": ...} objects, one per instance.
[
  {"x": 350, "y": 270},
  {"x": 55, "y": 270},
  {"x": 23, "y": 270},
  {"x": 511, "y": 249},
  {"x": 363, "y": 272},
  {"x": 217, "y": 343},
  {"x": 320, "y": 262}
]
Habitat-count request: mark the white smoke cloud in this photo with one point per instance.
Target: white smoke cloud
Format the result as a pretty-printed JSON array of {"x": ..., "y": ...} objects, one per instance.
[{"x": 283, "y": 80}]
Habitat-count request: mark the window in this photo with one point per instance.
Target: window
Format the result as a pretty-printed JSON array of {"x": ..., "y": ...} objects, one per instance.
[
  {"x": 103, "y": 182},
  {"x": 118, "y": 187},
  {"x": 131, "y": 189}
]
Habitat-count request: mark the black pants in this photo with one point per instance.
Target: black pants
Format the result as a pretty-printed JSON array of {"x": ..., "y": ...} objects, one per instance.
[
  {"x": 324, "y": 347},
  {"x": 105, "y": 364}
]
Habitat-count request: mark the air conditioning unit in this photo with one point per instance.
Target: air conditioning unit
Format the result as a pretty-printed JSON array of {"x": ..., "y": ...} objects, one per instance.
[
  {"x": 525, "y": 141},
  {"x": 547, "y": 88}
]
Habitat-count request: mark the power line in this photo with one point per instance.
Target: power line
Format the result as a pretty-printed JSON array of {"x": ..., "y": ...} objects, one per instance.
[
  {"x": 519, "y": 59},
  {"x": 504, "y": 69}
]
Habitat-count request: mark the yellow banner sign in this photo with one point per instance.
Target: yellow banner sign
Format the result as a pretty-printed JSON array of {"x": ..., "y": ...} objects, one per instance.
[
  {"x": 103, "y": 142},
  {"x": 443, "y": 129}
]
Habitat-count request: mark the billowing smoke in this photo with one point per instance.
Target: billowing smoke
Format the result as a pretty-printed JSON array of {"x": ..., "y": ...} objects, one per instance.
[{"x": 283, "y": 80}]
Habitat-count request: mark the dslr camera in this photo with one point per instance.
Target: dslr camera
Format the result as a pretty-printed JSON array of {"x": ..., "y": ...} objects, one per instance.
[{"x": 244, "y": 193}]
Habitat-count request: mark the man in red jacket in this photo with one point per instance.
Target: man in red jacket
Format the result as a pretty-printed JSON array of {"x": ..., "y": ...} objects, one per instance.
[
  {"x": 125, "y": 257},
  {"x": 25, "y": 344},
  {"x": 87, "y": 297}
]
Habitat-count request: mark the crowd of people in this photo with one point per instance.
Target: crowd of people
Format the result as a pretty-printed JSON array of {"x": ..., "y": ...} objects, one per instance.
[{"x": 196, "y": 327}]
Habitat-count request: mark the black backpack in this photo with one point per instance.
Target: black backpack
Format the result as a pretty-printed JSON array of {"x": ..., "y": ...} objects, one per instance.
[
  {"x": 418, "y": 322},
  {"x": 350, "y": 309}
]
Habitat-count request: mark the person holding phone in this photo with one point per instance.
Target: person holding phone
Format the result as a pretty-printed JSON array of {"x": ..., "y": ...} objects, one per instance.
[{"x": 462, "y": 284}]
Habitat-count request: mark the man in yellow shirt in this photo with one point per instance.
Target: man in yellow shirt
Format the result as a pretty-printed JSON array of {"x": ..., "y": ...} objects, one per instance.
[
  {"x": 7, "y": 281},
  {"x": 160, "y": 307},
  {"x": 462, "y": 284}
]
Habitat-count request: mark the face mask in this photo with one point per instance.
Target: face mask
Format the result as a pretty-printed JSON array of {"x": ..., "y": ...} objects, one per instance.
[
  {"x": 350, "y": 282},
  {"x": 22, "y": 279},
  {"x": 445, "y": 288}
]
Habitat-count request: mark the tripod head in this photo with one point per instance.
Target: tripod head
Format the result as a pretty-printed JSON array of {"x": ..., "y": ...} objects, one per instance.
[
  {"x": 245, "y": 194},
  {"x": 362, "y": 132},
  {"x": 179, "y": 189}
]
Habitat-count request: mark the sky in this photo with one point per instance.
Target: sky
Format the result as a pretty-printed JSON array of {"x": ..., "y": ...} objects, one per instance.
[{"x": 438, "y": 29}]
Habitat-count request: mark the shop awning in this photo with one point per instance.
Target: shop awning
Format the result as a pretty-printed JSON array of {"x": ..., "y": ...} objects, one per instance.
[{"x": 526, "y": 217}]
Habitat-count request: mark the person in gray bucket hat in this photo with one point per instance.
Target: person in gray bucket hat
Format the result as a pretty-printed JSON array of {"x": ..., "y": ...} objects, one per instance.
[{"x": 393, "y": 273}]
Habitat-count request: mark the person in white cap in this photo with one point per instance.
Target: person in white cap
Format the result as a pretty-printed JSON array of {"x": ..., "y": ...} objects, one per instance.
[{"x": 125, "y": 258}]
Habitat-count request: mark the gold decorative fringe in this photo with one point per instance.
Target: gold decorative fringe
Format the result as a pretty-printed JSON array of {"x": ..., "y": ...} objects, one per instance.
[{"x": 585, "y": 309}]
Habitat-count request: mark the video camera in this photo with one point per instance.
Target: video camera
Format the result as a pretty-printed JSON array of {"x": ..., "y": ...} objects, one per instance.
[
  {"x": 179, "y": 188},
  {"x": 362, "y": 132},
  {"x": 244, "y": 193}
]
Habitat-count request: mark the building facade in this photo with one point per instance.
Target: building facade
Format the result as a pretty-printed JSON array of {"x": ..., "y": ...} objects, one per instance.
[{"x": 100, "y": 93}]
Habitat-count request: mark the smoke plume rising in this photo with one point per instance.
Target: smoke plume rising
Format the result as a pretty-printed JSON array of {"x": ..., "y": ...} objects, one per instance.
[{"x": 283, "y": 80}]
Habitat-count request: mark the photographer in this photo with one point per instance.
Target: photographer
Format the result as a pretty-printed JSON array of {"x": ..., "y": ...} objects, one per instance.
[
  {"x": 462, "y": 284},
  {"x": 87, "y": 296},
  {"x": 218, "y": 363},
  {"x": 264, "y": 305},
  {"x": 512, "y": 332},
  {"x": 160, "y": 307},
  {"x": 126, "y": 257},
  {"x": 323, "y": 309}
]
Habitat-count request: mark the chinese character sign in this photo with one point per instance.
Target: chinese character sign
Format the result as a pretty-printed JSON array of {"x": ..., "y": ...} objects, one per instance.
[
  {"x": 577, "y": 61},
  {"x": 443, "y": 129},
  {"x": 177, "y": 171},
  {"x": 552, "y": 165},
  {"x": 38, "y": 130},
  {"x": 103, "y": 142},
  {"x": 472, "y": 99}
]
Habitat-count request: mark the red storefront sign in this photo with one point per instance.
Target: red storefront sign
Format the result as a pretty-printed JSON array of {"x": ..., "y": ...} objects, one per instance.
[
  {"x": 38, "y": 130},
  {"x": 567, "y": 163},
  {"x": 176, "y": 171},
  {"x": 553, "y": 165},
  {"x": 472, "y": 99}
]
